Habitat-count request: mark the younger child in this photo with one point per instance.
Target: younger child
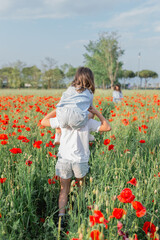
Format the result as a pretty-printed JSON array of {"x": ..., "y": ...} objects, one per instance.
[
  {"x": 72, "y": 110},
  {"x": 117, "y": 94},
  {"x": 73, "y": 155}
]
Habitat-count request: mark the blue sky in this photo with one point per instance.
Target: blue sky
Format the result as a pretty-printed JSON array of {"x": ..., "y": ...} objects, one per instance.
[{"x": 34, "y": 29}]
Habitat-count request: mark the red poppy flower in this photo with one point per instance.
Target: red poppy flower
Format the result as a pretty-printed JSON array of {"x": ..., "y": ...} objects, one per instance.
[
  {"x": 149, "y": 227},
  {"x": 126, "y": 196},
  {"x": 42, "y": 220},
  {"x": 50, "y": 144},
  {"x": 28, "y": 129},
  {"x": 133, "y": 181},
  {"x": 140, "y": 209},
  {"x": 4, "y": 142},
  {"x": 0, "y": 215},
  {"x": 2, "y": 180},
  {"x": 110, "y": 147},
  {"x": 15, "y": 150},
  {"x": 144, "y": 127},
  {"x": 95, "y": 235},
  {"x": 118, "y": 213},
  {"x": 135, "y": 237},
  {"x": 126, "y": 150},
  {"x": 142, "y": 141},
  {"x": 28, "y": 162},
  {"x": 98, "y": 218},
  {"x": 37, "y": 144},
  {"x": 125, "y": 122},
  {"x": 51, "y": 181},
  {"x": 3, "y": 137},
  {"x": 106, "y": 141}
]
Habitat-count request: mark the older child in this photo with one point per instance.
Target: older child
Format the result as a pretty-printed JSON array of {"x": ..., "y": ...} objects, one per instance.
[{"x": 73, "y": 155}]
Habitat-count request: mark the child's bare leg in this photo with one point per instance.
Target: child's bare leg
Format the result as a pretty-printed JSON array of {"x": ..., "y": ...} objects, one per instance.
[
  {"x": 57, "y": 136},
  {"x": 90, "y": 115},
  {"x": 63, "y": 196}
]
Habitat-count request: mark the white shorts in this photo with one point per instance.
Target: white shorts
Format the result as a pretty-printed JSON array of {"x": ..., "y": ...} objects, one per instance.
[{"x": 66, "y": 169}]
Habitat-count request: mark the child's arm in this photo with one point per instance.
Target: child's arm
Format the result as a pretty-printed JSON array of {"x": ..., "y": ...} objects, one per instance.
[
  {"x": 105, "y": 126},
  {"x": 45, "y": 121}
]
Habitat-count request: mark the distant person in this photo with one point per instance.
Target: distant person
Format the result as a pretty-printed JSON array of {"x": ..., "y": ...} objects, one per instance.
[{"x": 117, "y": 94}]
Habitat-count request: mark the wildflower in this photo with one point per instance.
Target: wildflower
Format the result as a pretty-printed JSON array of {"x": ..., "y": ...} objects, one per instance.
[
  {"x": 42, "y": 220},
  {"x": 37, "y": 144},
  {"x": 126, "y": 196},
  {"x": 118, "y": 213},
  {"x": 144, "y": 127},
  {"x": 15, "y": 150},
  {"x": 135, "y": 237},
  {"x": 142, "y": 141},
  {"x": 28, "y": 129},
  {"x": 125, "y": 122},
  {"x": 98, "y": 218},
  {"x": 95, "y": 235},
  {"x": 28, "y": 162},
  {"x": 110, "y": 147},
  {"x": 133, "y": 181},
  {"x": 106, "y": 141},
  {"x": 127, "y": 150},
  {"x": 2, "y": 180},
  {"x": 3, "y": 137},
  {"x": 51, "y": 181},
  {"x": 149, "y": 227},
  {"x": 4, "y": 142},
  {"x": 140, "y": 209},
  {"x": 0, "y": 215}
]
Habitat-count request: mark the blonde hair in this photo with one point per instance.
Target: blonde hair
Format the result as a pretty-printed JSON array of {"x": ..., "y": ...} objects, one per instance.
[{"x": 84, "y": 79}]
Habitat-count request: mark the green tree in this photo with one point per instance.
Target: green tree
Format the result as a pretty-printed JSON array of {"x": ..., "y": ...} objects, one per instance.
[
  {"x": 127, "y": 74},
  {"x": 71, "y": 73},
  {"x": 53, "y": 78},
  {"x": 32, "y": 76},
  {"x": 103, "y": 58},
  {"x": 147, "y": 74},
  {"x": 6, "y": 76}
]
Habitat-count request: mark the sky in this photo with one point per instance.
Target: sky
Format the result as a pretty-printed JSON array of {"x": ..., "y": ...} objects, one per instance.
[{"x": 31, "y": 30}]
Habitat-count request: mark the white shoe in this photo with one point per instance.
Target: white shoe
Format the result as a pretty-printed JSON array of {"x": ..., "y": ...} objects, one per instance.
[{"x": 91, "y": 138}]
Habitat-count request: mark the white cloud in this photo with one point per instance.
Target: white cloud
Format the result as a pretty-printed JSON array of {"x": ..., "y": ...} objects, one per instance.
[
  {"x": 142, "y": 15},
  {"x": 55, "y": 8}
]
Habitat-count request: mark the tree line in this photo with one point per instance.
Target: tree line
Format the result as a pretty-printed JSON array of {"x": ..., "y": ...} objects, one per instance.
[{"x": 103, "y": 56}]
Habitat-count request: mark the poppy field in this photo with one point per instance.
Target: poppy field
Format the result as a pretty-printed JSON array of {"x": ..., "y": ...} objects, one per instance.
[{"x": 120, "y": 198}]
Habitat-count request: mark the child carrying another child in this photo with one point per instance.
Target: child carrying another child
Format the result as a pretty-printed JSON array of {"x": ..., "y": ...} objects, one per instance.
[{"x": 73, "y": 154}]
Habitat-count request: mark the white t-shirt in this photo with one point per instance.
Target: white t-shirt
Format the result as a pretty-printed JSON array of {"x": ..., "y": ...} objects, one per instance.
[{"x": 74, "y": 144}]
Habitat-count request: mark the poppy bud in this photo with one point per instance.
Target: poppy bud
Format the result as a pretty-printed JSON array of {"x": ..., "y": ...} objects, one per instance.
[
  {"x": 91, "y": 179},
  {"x": 145, "y": 181},
  {"x": 94, "y": 191},
  {"x": 107, "y": 203},
  {"x": 107, "y": 211},
  {"x": 155, "y": 191}
]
